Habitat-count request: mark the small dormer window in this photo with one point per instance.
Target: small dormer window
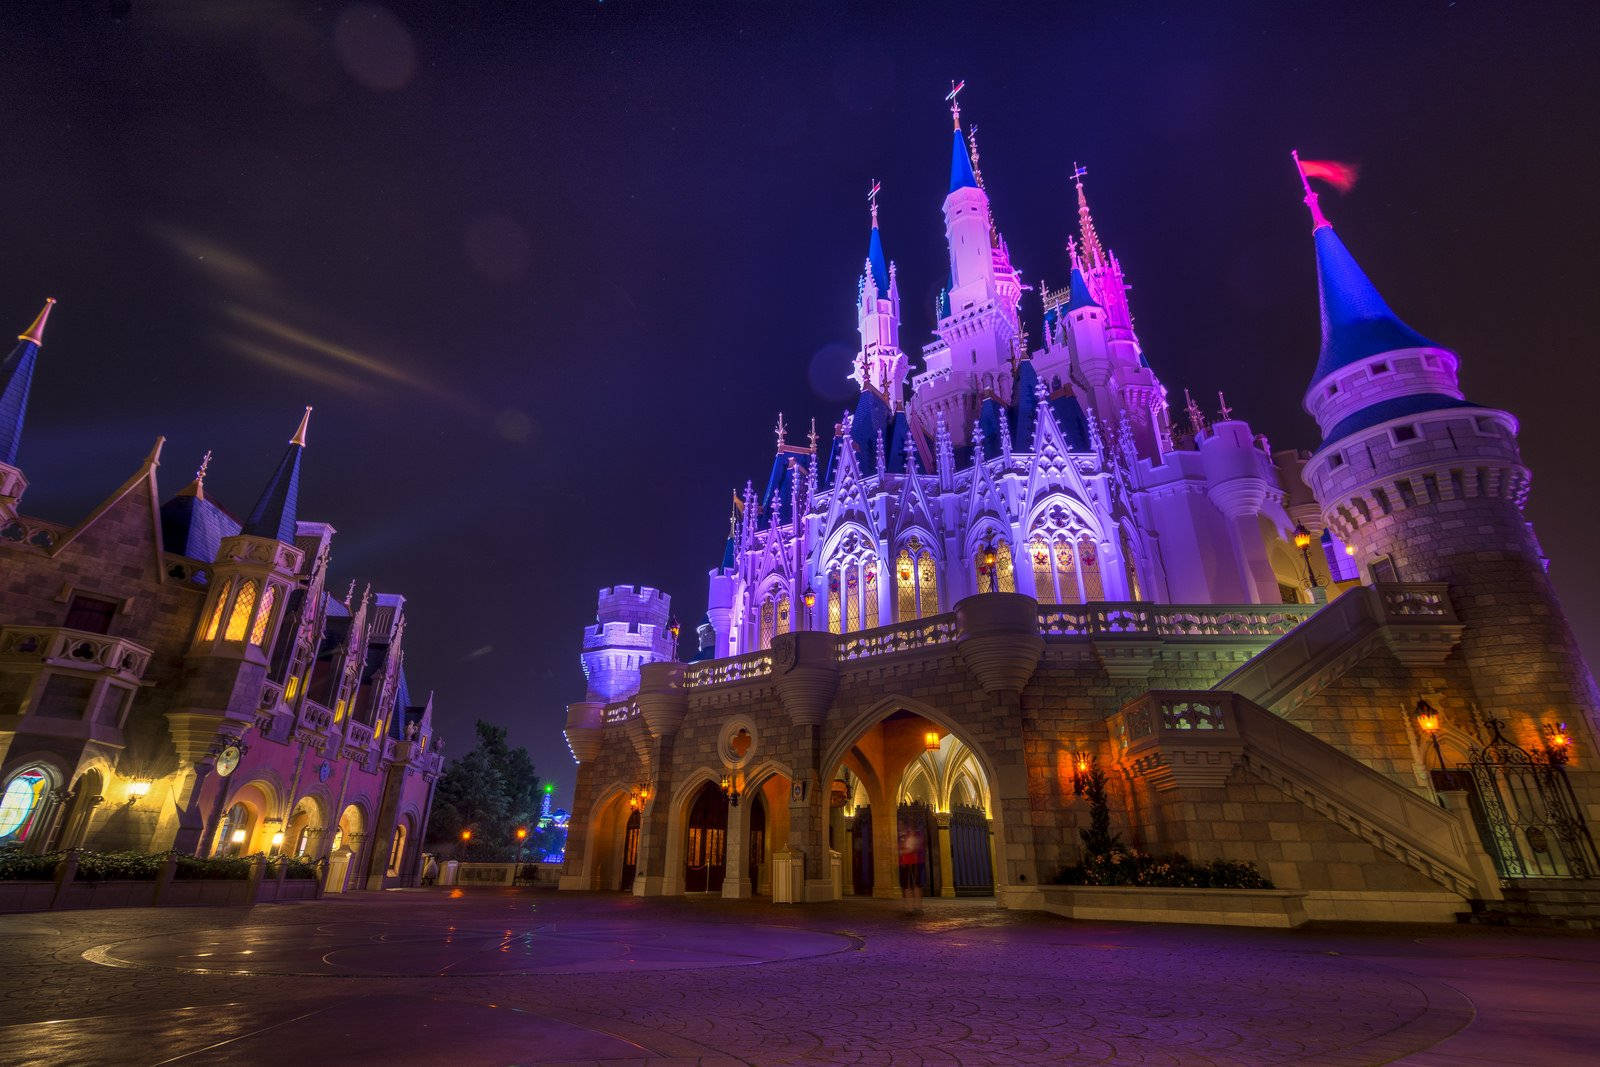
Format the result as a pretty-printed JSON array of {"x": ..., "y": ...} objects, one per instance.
[
  {"x": 1485, "y": 424},
  {"x": 1336, "y": 461},
  {"x": 1332, "y": 389},
  {"x": 1380, "y": 368},
  {"x": 1403, "y": 434}
]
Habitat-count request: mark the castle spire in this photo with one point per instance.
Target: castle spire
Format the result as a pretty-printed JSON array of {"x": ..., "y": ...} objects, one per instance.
[
  {"x": 16, "y": 379},
  {"x": 1356, "y": 321},
  {"x": 1093, "y": 254},
  {"x": 877, "y": 262},
  {"x": 961, "y": 176},
  {"x": 274, "y": 513}
]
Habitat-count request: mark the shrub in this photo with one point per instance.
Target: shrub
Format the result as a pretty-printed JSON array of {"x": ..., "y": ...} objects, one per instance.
[
  {"x": 19, "y": 866},
  {"x": 1134, "y": 868},
  {"x": 227, "y": 867},
  {"x": 118, "y": 867}
]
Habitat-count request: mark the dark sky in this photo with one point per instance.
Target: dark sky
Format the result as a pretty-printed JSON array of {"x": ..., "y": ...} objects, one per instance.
[{"x": 548, "y": 271}]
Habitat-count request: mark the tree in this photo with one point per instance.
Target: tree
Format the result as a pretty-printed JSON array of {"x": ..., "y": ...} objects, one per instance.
[
  {"x": 1098, "y": 840},
  {"x": 491, "y": 791}
]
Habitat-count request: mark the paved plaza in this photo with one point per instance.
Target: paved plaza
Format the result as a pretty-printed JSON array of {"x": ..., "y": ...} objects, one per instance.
[{"x": 500, "y": 976}]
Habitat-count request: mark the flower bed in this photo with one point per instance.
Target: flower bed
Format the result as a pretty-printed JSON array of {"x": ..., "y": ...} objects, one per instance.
[{"x": 1130, "y": 867}]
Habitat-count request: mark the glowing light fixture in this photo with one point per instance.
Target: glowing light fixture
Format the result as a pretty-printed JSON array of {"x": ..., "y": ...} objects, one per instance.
[
  {"x": 810, "y": 597},
  {"x": 1302, "y": 537},
  {"x": 1559, "y": 747},
  {"x": 277, "y": 839},
  {"x": 237, "y": 837},
  {"x": 1428, "y": 722},
  {"x": 137, "y": 788},
  {"x": 930, "y": 740},
  {"x": 522, "y": 833},
  {"x": 466, "y": 835}
]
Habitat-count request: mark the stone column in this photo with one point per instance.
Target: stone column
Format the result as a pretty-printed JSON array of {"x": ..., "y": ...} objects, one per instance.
[
  {"x": 806, "y": 670},
  {"x": 736, "y": 869},
  {"x": 947, "y": 874},
  {"x": 662, "y": 706}
]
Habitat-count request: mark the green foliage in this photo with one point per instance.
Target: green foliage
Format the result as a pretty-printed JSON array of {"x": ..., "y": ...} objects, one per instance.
[
  {"x": 1098, "y": 840},
  {"x": 223, "y": 867},
  {"x": 491, "y": 790},
  {"x": 118, "y": 867},
  {"x": 300, "y": 868},
  {"x": 19, "y": 866},
  {"x": 1135, "y": 868}
]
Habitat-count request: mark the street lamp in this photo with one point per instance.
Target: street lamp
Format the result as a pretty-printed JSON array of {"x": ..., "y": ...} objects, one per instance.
[
  {"x": 522, "y": 840},
  {"x": 730, "y": 789},
  {"x": 1428, "y": 723},
  {"x": 1302, "y": 541},
  {"x": 930, "y": 740},
  {"x": 1558, "y": 746},
  {"x": 991, "y": 560}
]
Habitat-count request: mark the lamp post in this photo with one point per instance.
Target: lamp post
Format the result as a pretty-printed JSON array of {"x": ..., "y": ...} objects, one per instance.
[
  {"x": 466, "y": 840},
  {"x": 991, "y": 561},
  {"x": 1428, "y": 723},
  {"x": 522, "y": 840},
  {"x": 730, "y": 789},
  {"x": 1302, "y": 541}
]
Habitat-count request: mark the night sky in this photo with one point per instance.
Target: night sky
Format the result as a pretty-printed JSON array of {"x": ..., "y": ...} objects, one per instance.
[{"x": 548, "y": 271}]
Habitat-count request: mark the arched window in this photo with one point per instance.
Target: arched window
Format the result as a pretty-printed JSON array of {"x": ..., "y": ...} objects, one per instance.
[
  {"x": 853, "y": 581},
  {"x": 234, "y": 833},
  {"x": 397, "y": 849},
  {"x": 1132, "y": 568},
  {"x": 22, "y": 803},
  {"x": 216, "y": 613},
  {"x": 764, "y": 638},
  {"x": 243, "y": 605},
  {"x": 258, "y": 632},
  {"x": 785, "y": 623},
  {"x": 834, "y": 623},
  {"x": 1055, "y": 572},
  {"x": 1089, "y": 559},
  {"x": 916, "y": 582},
  {"x": 1003, "y": 578}
]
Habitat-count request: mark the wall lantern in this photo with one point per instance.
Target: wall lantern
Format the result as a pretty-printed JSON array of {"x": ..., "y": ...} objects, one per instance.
[
  {"x": 930, "y": 740},
  {"x": 810, "y": 597},
  {"x": 1558, "y": 745},
  {"x": 1349, "y": 550},
  {"x": 277, "y": 839},
  {"x": 1428, "y": 722},
  {"x": 1080, "y": 773},
  {"x": 674, "y": 628},
  {"x": 730, "y": 788},
  {"x": 466, "y": 835},
  {"x": 237, "y": 837},
  {"x": 137, "y": 788}
]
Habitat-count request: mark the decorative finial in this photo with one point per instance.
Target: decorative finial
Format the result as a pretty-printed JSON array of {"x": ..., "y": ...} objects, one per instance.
[
  {"x": 1224, "y": 409},
  {"x": 1093, "y": 254},
  {"x": 780, "y": 430},
  {"x": 812, "y": 436},
  {"x": 972, "y": 147},
  {"x": 955, "y": 103},
  {"x": 197, "y": 488},
  {"x": 1197, "y": 419},
  {"x": 1072, "y": 254},
  {"x": 872, "y": 200},
  {"x": 35, "y": 333},
  {"x": 299, "y": 437},
  {"x": 350, "y": 593},
  {"x": 1318, "y": 219}
]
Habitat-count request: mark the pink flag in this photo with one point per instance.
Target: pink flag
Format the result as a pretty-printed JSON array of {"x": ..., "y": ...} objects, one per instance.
[{"x": 1342, "y": 176}]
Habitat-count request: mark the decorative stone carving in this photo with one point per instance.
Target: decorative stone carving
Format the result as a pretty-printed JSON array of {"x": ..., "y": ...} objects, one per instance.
[{"x": 1000, "y": 642}]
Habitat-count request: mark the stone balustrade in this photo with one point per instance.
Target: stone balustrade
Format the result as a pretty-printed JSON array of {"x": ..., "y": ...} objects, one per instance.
[
  {"x": 1178, "y": 739},
  {"x": 728, "y": 671},
  {"x": 900, "y": 637},
  {"x": 78, "y": 650}
]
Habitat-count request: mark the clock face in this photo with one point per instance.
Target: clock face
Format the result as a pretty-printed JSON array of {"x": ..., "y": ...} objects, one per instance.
[{"x": 227, "y": 760}]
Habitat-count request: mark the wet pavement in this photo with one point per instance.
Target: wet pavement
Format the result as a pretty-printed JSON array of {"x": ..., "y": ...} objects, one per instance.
[{"x": 502, "y": 976}]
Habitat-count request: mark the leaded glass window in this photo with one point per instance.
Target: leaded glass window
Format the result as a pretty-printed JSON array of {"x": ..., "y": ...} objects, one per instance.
[
  {"x": 216, "y": 612},
  {"x": 243, "y": 605},
  {"x": 258, "y": 632}
]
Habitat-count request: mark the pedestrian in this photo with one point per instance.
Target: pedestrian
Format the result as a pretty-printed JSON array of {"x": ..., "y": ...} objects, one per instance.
[{"x": 911, "y": 858}]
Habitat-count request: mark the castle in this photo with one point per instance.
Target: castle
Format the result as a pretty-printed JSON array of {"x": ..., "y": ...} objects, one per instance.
[
  {"x": 172, "y": 677},
  {"x": 1015, "y": 568}
]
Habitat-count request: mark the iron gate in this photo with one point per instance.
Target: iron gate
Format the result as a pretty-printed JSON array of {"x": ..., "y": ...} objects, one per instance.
[
  {"x": 1530, "y": 820},
  {"x": 971, "y": 866}
]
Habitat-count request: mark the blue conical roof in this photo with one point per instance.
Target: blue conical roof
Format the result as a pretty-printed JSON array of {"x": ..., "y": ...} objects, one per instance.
[
  {"x": 1080, "y": 297},
  {"x": 961, "y": 176},
  {"x": 274, "y": 513},
  {"x": 1027, "y": 402},
  {"x": 16, "y": 378},
  {"x": 878, "y": 263},
  {"x": 1356, "y": 322},
  {"x": 871, "y": 419}
]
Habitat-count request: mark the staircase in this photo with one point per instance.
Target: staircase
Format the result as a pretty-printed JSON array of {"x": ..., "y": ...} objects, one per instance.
[{"x": 1547, "y": 903}]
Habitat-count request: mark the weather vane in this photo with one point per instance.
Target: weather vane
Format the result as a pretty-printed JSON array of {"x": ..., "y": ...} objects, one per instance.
[
  {"x": 955, "y": 104},
  {"x": 872, "y": 199}
]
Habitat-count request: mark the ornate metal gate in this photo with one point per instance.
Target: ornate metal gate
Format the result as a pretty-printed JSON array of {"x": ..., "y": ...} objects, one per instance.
[
  {"x": 1532, "y": 824},
  {"x": 971, "y": 865},
  {"x": 630, "y": 852},
  {"x": 918, "y": 816},
  {"x": 861, "y": 852}
]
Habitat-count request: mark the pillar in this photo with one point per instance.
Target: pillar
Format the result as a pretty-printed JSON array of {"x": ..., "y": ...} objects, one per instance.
[
  {"x": 947, "y": 874},
  {"x": 736, "y": 873}
]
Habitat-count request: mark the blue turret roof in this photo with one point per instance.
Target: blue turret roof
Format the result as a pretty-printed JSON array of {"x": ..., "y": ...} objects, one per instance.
[
  {"x": 780, "y": 483},
  {"x": 1027, "y": 402},
  {"x": 1356, "y": 322},
  {"x": 274, "y": 513},
  {"x": 1069, "y": 417},
  {"x": 961, "y": 176},
  {"x": 16, "y": 378},
  {"x": 730, "y": 554},
  {"x": 193, "y": 526},
  {"x": 879, "y": 264},
  {"x": 871, "y": 418},
  {"x": 1080, "y": 296},
  {"x": 899, "y": 430},
  {"x": 989, "y": 415}
]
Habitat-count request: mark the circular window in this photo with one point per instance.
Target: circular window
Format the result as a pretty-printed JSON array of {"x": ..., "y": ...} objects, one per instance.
[{"x": 738, "y": 743}]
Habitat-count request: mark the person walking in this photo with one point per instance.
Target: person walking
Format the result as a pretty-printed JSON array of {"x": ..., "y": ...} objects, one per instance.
[{"x": 912, "y": 846}]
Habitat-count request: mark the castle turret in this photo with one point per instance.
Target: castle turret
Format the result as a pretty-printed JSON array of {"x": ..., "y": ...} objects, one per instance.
[
  {"x": 1430, "y": 487},
  {"x": 880, "y": 365},
  {"x": 633, "y": 626},
  {"x": 16, "y": 379}
]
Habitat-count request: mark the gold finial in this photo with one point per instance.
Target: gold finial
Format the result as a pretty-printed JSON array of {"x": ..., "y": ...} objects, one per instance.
[
  {"x": 197, "y": 488},
  {"x": 35, "y": 333},
  {"x": 299, "y": 437}
]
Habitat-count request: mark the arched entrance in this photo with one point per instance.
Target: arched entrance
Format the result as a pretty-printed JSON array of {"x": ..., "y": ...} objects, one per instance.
[
  {"x": 305, "y": 826},
  {"x": 630, "y": 851},
  {"x": 244, "y": 829},
  {"x": 87, "y": 794},
  {"x": 706, "y": 842},
  {"x": 28, "y": 804},
  {"x": 605, "y": 844},
  {"x": 906, "y": 787}
]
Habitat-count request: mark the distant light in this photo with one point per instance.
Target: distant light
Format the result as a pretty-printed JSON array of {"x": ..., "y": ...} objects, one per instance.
[
  {"x": 237, "y": 837},
  {"x": 138, "y": 787}
]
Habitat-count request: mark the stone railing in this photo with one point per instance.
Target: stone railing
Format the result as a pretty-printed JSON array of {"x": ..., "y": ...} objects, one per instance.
[
  {"x": 620, "y": 712},
  {"x": 727, "y": 671},
  {"x": 42, "y": 535},
  {"x": 57, "y": 646},
  {"x": 1137, "y": 619},
  {"x": 901, "y": 637},
  {"x": 1416, "y": 602},
  {"x": 358, "y": 735},
  {"x": 1178, "y": 738},
  {"x": 315, "y": 716}
]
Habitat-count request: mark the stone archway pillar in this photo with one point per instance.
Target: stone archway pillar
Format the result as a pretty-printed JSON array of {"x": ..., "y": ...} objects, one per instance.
[
  {"x": 947, "y": 874},
  {"x": 662, "y": 706},
  {"x": 736, "y": 856},
  {"x": 806, "y": 669}
]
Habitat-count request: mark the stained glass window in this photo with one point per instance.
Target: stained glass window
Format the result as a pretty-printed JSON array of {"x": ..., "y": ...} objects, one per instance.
[
  {"x": 834, "y": 617},
  {"x": 783, "y": 615},
  {"x": 258, "y": 632},
  {"x": 869, "y": 596},
  {"x": 1089, "y": 556},
  {"x": 927, "y": 587},
  {"x": 243, "y": 605},
  {"x": 1044, "y": 578},
  {"x": 1008, "y": 575},
  {"x": 19, "y": 804},
  {"x": 852, "y": 599},
  {"x": 905, "y": 582},
  {"x": 1066, "y": 575},
  {"x": 216, "y": 612},
  {"x": 1133, "y": 570},
  {"x": 765, "y": 637}
]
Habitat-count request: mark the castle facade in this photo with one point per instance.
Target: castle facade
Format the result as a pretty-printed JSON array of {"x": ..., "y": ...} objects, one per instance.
[
  {"x": 172, "y": 677},
  {"x": 1019, "y": 564}
]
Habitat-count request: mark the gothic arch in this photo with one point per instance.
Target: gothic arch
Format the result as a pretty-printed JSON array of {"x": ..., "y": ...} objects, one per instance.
[
  {"x": 677, "y": 824},
  {"x": 599, "y": 814}
]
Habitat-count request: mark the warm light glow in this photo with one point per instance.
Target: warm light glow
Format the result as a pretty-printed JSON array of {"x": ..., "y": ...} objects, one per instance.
[
  {"x": 1083, "y": 765},
  {"x": 522, "y": 833},
  {"x": 258, "y": 632},
  {"x": 1349, "y": 550},
  {"x": 237, "y": 837},
  {"x": 1559, "y": 738},
  {"x": 989, "y": 557},
  {"x": 1302, "y": 538},
  {"x": 244, "y": 605},
  {"x": 139, "y": 787},
  {"x": 810, "y": 597},
  {"x": 930, "y": 740},
  {"x": 277, "y": 839},
  {"x": 1429, "y": 722},
  {"x": 466, "y": 835}
]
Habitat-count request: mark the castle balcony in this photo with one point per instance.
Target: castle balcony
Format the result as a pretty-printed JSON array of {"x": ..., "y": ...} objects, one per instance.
[
  {"x": 274, "y": 719},
  {"x": 74, "y": 650},
  {"x": 1179, "y": 739}
]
